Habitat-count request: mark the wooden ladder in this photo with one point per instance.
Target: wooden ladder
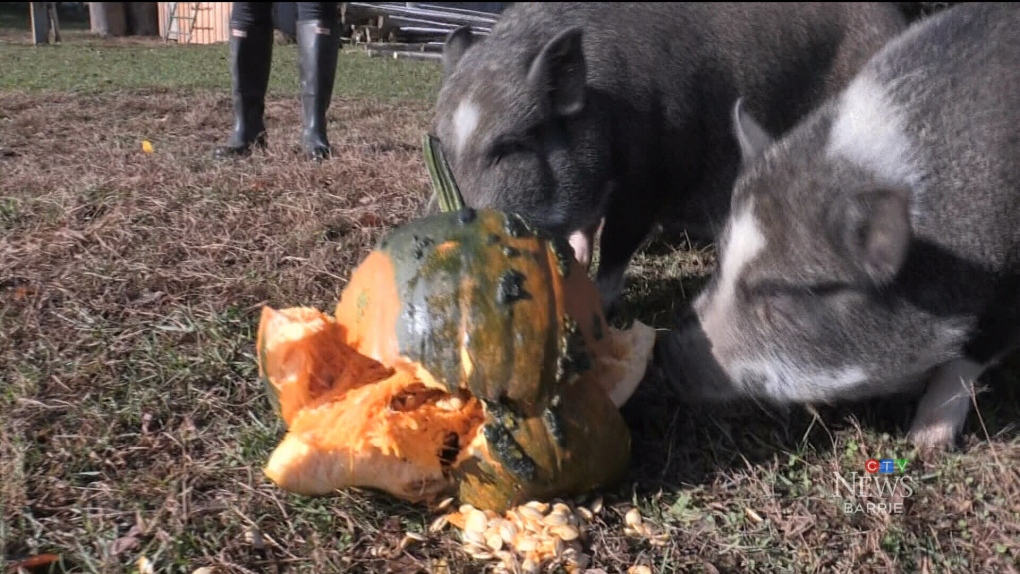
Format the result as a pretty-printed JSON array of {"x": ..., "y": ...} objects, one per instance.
[{"x": 183, "y": 22}]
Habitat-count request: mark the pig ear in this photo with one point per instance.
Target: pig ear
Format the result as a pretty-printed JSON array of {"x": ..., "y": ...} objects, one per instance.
[
  {"x": 560, "y": 71},
  {"x": 457, "y": 42},
  {"x": 874, "y": 229},
  {"x": 753, "y": 139}
]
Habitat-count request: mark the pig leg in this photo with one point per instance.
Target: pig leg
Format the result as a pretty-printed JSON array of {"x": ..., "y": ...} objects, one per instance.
[
  {"x": 621, "y": 236},
  {"x": 945, "y": 405}
]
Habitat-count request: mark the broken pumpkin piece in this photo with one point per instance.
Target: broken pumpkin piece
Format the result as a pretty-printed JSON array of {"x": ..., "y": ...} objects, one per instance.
[
  {"x": 306, "y": 368},
  {"x": 468, "y": 357}
]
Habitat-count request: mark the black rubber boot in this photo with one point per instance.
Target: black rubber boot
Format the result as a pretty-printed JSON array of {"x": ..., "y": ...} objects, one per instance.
[
  {"x": 318, "y": 46},
  {"x": 251, "y": 57}
]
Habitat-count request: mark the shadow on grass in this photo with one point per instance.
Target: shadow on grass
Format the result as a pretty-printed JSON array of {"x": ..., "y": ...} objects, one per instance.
[{"x": 676, "y": 445}]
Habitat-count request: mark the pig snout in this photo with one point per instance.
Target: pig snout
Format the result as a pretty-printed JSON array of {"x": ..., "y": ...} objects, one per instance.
[{"x": 583, "y": 241}]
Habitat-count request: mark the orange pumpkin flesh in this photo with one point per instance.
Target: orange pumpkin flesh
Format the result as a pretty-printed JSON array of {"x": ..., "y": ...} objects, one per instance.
[{"x": 466, "y": 356}]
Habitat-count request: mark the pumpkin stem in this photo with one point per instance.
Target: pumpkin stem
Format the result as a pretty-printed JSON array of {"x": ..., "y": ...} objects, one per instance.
[{"x": 443, "y": 184}]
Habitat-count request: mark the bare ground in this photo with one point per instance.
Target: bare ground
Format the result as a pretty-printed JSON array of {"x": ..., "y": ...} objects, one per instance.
[{"x": 133, "y": 422}]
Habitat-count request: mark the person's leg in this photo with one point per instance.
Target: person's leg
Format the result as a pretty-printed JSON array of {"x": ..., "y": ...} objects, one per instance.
[
  {"x": 318, "y": 37},
  {"x": 251, "y": 55}
]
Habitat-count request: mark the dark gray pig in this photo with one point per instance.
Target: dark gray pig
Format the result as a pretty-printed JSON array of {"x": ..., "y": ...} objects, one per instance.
[
  {"x": 876, "y": 247},
  {"x": 573, "y": 111}
]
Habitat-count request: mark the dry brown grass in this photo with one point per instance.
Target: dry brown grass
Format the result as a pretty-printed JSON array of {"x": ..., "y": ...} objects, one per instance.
[{"x": 133, "y": 423}]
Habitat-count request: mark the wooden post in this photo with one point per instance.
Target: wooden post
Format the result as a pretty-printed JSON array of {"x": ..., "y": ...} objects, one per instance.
[{"x": 40, "y": 23}]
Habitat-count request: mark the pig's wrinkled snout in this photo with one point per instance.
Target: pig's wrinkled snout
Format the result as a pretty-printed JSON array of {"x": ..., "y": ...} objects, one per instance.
[{"x": 581, "y": 242}]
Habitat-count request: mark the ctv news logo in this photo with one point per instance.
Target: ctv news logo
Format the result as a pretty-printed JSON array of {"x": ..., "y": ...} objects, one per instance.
[{"x": 881, "y": 488}]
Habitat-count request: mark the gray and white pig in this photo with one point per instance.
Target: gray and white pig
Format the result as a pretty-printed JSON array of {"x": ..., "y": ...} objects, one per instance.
[
  {"x": 574, "y": 111},
  {"x": 876, "y": 247}
]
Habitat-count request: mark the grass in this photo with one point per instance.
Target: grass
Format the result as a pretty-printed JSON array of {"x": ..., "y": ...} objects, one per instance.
[
  {"x": 133, "y": 424},
  {"x": 88, "y": 65}
]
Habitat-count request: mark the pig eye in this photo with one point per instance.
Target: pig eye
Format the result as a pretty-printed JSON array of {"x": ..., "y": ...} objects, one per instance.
[
  {"x": 505, "y": 148},
  {"x": 772, "y": 304}
]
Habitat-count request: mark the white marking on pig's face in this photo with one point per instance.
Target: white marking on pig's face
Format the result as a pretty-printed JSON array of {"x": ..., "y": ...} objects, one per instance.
[
  {"x": 465, "y": 121},
  {"x": 869, "y": 130},
  {"x": 744, "y": 242}
]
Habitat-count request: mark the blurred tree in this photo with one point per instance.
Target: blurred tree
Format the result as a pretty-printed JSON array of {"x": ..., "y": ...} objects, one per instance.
[{"x": 108, "y": 18}]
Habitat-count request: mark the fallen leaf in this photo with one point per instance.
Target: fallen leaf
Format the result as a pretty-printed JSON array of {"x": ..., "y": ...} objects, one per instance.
[
  {"x": 23, "y": 293},
  {"x": 127, "y": 542},
  {"x": 146, "y": 146},
  {"x": 37, "y": 562},
  {"x": 123, "y": 544},
  {"x": 370, "y": 220}
]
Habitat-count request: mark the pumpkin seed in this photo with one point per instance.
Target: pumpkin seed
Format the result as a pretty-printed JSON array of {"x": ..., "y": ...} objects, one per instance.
[
  {"x": 508, "y": 562},
  {"x": 596, "y": 505},
  {"x": 529, "y": 567},
  {"x": 555, "y": 519},
  {"x": 476, "y": 521},
  {"x": 473, "y": 536},
  {"x": 465, "y": 508},
  {"x": 640, "y": 569},
  {"x": 145, "y": 566},
  {"x": 539, "y": 506},
  {"x": 566, "y": 532},
  {"x": 526, "y": 543},
  {"x": 253, "y": 536},
  {"x": 409, "y": 539},
  {"x": 633, "y": 518},
  {"x": 507, "y": 531},
  {"x": 480, "y": 554},
  {"x": 494, "y": 542},
  {"x": 438, "y": 524},
  {"x": 530, "y": 514},
  {"x": 516, "y": 518},
  {"x": 754, "y": 516},
  {"x": 472, "y": 546},
  {"x": 561, "y": 508},
  {"x": 586, "y": 514},
  {"x": 545, "y": 548},
  {"x": 557, "y": 548},
  {"x": 444, "y": 504}
]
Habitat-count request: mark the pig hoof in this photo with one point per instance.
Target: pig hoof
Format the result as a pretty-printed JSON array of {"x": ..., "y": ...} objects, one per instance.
[{"x": 932, "y": 436}]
